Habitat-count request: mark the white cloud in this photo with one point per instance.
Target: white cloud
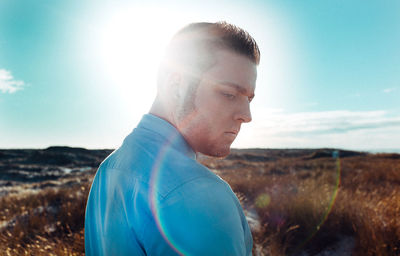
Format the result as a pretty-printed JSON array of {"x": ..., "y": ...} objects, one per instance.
[
  {"x": 389, "y": 90},
  {"x": 8, "y": 83},
  {"x": 343, "y": 129}
]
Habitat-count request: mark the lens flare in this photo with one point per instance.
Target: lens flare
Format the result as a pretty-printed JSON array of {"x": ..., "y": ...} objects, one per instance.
[
  {"x": 155, "y": 183},
  {"x": 263, "y": 200}
]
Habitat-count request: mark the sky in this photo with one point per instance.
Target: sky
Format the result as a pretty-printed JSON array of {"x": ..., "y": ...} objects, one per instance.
[{"x": 82, "y": 73}]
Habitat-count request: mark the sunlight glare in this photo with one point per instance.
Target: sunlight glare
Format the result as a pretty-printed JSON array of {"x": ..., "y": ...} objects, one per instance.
[{"x": 131, "y": 44}]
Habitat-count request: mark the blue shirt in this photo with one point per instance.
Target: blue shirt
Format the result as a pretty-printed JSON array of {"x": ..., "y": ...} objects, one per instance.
[{"x": 151, "y": 197}]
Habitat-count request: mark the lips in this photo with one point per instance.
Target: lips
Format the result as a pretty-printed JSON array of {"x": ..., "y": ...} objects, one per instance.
[
  {"x": 231, "y": 134},
  {"x": 235, "y": 131}
]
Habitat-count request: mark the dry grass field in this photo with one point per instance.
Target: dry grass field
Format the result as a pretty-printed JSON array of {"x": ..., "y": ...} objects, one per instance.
[
  {"x": 298, "y": 202},
  {"x": 321, "y": 205}
]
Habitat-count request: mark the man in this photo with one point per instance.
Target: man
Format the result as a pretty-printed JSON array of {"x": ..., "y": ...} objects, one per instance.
[{"x": 150, "y": 196}]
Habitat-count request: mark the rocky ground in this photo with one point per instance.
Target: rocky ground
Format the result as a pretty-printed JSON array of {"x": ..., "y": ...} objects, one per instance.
[{"x": 32, "y": 169}]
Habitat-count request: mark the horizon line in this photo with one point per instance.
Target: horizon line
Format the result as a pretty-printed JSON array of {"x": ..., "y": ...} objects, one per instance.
[{"x": 370, "y": 150}]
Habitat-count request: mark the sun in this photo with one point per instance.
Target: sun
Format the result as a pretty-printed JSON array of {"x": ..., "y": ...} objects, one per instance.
[{"x": 130, "y": 45}]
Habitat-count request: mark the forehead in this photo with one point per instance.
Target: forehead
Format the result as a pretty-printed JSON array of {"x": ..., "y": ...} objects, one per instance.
[{"x": 232, "y": 68}]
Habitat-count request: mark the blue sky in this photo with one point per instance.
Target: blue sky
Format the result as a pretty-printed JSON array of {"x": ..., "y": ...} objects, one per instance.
[{"x": 83, "y": 73}]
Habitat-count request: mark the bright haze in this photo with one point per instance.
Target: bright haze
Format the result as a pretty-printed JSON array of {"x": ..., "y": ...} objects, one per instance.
[{"x": 82, "y": 73}]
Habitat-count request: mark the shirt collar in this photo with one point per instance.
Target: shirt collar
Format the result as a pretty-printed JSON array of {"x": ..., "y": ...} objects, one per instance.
[{"x": 168, "y": 132}]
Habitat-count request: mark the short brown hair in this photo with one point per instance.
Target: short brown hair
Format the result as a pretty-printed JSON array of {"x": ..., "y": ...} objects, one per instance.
[
  {"x": 193, "y": 47},
  {"x": 219, "y": 35}
]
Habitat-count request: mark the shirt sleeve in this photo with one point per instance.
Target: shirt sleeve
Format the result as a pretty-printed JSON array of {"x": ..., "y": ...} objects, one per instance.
[{"x": 198, "y": 218}]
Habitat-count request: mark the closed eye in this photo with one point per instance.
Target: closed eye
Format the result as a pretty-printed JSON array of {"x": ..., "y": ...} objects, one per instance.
[{"x": 228, "y": 95}]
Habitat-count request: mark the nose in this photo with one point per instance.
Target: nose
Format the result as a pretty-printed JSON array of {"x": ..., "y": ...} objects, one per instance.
[{"x": 244, "y": 114}]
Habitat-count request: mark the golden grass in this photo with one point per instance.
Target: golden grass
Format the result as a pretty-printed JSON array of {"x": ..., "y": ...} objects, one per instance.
[
  {"x": 46, "y": 223},
  {"x": 299, "y": 203},
  {"x": 300, "y": 216}
]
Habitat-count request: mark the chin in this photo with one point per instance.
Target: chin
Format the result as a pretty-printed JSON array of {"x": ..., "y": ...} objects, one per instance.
[{"x": 218, "y": 152}]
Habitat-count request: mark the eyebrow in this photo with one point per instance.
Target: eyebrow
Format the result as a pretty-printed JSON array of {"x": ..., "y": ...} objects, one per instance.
[{"x": 237, "y": 87}]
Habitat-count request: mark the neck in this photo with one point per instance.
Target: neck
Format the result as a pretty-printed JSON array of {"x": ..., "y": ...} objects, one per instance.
[{"x": 160, "y": 109}]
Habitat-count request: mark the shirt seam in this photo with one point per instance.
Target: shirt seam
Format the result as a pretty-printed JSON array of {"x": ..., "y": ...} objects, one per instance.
[{"x": 164, "y": 198}]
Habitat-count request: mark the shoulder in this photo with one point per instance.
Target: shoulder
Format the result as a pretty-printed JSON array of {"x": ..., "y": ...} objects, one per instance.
[{"x": 201, "y": 218}]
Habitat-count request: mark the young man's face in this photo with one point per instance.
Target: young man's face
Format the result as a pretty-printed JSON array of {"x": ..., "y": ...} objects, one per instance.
[{"x": 221, "y": 104}]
